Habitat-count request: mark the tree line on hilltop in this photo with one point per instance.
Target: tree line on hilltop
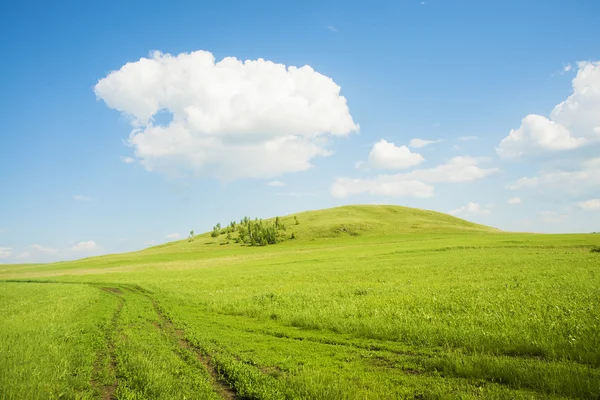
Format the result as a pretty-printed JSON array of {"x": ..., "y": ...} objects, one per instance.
[{"x": 252, "y": 232}]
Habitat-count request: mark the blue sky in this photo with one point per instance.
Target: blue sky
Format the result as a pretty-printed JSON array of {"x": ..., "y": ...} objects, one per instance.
[{"x": 99, "y": 156}]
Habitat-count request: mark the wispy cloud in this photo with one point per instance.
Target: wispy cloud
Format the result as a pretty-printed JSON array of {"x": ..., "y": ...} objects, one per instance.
[
  {"x": 333, "y": 29},
  {"x": 84, "y": 246},
  {"x": 472, "y": 209},
  {"x": 514, "y": 200},
  {"x": 5, "y": 252},
  {"x": 43, "y": 249},
  {"x": 82, "y": 198},
  {"x": 127, "y": 160},
  {"x": 592, "y": 204},
  {"x": 173, "y": 236},
  {"x": 552, "y": 217},
  {"x": 418, "y": 143},
  {"x": 467, "y": 138},
  {"x": 276, "y": 183},
  {"x": 296, "y": 194}
]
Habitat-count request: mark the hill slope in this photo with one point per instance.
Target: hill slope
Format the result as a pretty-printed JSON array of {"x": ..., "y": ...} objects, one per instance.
[
  {"x": 368, "y": 220},
  {"x": 375, "y": 220},
  {"x": 350, "y": 222}
]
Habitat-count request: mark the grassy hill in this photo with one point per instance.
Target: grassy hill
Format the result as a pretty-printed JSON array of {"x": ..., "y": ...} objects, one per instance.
[
  {"x": 365, "y": 220},
  {"x": 370, "y": 302}
]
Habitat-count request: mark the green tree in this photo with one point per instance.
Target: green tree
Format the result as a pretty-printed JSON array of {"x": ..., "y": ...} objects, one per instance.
[{"x": 191, "y": 237}]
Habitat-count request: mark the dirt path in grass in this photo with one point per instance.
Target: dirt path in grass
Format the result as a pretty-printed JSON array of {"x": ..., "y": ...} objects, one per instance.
[
  {"x": 108, "y": 389},
  {"x": 218, "y": 381},
  {"x": 107, "y": 386}
]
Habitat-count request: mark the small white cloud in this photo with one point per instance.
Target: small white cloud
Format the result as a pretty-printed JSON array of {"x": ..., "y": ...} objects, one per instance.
[
  {"x": 418, "y": 143},
  {"x": 551, "y": 217},
  {"x": 414, "y": 183},
  {"x": 150, "y": 243},
  {"x": 457, "y": 169},
  {"x": 585, "y": 178},
  {"x": 127, "y": 160},
  {"x": 276, "y": 183},
  {"x": 467, "y": 138},
  {"x": 422, "y": 3},
  {"x": 514, "y": 200},
  {"x": 84, "y": 246},
  {"x": 592, "y": 204},
  {"x": 333, "y": 29},
  {"x": 567, "y": 68},
  {"x": 535, "y": 135},
  {"x": 383, "y": 185},
  {"x": 471, "y": 209},
  {"x": 42, "y": 249},
  {"x": 23, "y": 256},
  {"x": 5, "y": 252},
  {"x": 82, "y": 198},
  {"x": 386, "y": 155},
  {"x": 173, "y": 236}
]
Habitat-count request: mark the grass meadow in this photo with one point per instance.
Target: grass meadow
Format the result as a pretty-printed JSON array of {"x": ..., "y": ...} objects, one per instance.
[{"x": 369, "y": 302}]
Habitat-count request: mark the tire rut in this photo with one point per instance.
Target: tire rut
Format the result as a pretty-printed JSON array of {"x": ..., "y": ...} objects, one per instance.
[
  {"x": 220, "y": 386},
  {"x": 108, "y": 390}
]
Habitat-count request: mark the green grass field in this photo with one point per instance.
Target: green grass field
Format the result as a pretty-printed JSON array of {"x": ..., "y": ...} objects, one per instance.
[{"x": 369, "y": 302}]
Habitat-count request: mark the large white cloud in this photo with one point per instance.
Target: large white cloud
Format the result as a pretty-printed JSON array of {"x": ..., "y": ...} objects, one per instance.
[
  {"x": 386, "y": 155},
  {"x": 230, "y": 118},
  {"x": 416, "y": 183},
  {"x": 573, "y": 123}
]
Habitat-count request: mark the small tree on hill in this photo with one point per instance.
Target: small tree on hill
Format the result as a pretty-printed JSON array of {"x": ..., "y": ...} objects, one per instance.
[
  {"x": 191, "y": 237},
  {"x": 296, "y": 219}
]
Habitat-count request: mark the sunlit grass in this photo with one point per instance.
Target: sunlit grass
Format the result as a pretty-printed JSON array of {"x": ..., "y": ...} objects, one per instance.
[{"x": 406, "y": 307}]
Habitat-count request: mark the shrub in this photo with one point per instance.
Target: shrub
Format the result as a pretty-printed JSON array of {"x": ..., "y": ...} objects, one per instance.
[
  {"x": 293, "y": 236},
  {"x": 595, "y": 249}
]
